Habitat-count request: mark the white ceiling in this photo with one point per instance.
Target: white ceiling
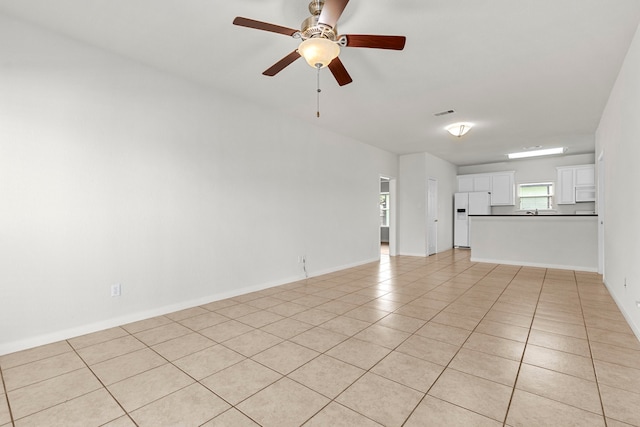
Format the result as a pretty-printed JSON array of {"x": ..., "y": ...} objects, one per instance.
[{"x": 526, "y": 72}]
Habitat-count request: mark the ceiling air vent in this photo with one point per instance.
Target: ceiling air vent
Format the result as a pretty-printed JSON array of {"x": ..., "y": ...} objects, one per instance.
[{"x": 444, "y": 113}]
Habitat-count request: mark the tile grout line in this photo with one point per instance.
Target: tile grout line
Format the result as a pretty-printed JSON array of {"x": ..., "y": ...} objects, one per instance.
[
  {"x": 564, "y": 373},
  {"x": 332, "y": 400},
  {"x": 365, "y": 371},
  {"x": 6, "y": 397},
  {"x": 102, "y": 384},
  {"x": 169, "y": 363},
  {"x": 235, "y": 406},
  {"x": 524, "y": 350},
  {"x": 521, "y": 357},
  {"x": 460, "y": 347},
  {"x": 392, "y": 350},
  {"x": 593, "y": 363}
]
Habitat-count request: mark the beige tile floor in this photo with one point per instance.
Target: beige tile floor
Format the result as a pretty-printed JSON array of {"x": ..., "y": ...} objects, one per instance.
[{"x": 408, "y": 341}]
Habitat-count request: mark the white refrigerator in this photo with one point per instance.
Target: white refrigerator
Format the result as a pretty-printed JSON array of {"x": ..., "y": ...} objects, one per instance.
[{"x": 465, "y": 204}]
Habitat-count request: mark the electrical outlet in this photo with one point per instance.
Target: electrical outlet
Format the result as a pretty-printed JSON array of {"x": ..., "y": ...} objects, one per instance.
[
  {"x": 116, "y": 290},
  {"x": 638, "y": 304}
]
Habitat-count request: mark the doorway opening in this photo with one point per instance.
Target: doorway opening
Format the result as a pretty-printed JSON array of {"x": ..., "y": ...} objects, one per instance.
[{"x": 387, "y": 203}]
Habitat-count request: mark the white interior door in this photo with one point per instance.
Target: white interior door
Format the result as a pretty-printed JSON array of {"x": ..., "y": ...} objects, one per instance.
[{"x": 432, "y": 216}]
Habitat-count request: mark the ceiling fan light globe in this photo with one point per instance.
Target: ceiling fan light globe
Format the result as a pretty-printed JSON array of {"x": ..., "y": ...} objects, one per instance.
[{"x": 318, "y": 52}]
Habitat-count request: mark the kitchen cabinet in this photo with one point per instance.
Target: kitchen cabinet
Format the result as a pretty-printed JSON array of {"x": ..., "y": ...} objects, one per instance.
[
  {"x": 565, "y": 187},
  {"x": 482, "y": 183},
  {"x": 585, "y": 175},
  {"x": 574, "y": 180},
  {"x": 501, "y": 185},
  {"x": 472, "y": 183},
  {"x": 503, "y": 189},
  {"x": 465, "y": 184}
]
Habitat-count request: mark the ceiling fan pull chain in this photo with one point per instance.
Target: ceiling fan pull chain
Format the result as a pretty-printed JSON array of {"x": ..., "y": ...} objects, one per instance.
[{"x": 318, "y": 94}]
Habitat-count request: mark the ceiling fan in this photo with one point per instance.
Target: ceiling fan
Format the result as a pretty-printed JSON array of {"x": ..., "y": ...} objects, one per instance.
[{"x": 321, "y": 42}]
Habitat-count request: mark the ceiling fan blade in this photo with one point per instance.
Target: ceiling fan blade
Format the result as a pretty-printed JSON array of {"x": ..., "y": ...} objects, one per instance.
[
  {"x": 265, "y": 26},
  {"x": 331, "y": 12},
  {"x": 339, "y": 72},
  {"x": 282, "y": 64},
  {"x": 376, "y": 42}
]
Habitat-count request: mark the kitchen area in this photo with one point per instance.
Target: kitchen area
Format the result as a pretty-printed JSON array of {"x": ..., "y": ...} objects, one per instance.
[{"x": 542, "y": 214}]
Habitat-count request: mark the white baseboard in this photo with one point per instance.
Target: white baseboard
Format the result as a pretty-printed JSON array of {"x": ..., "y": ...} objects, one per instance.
[
  {"x": 13, "y": 346},
  {"x": 635, "y": 328},
  {"x": 535, "y": 264},
  {"x": 342, "y": 267},
  {"x": 38, "y": 340}
]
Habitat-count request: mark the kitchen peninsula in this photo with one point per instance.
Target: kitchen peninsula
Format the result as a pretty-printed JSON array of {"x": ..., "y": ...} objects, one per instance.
[{"x": 552, "y": 241}]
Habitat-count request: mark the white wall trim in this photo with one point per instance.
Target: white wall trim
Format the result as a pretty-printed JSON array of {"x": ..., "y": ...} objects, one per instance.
[
  {"x": 65, "y": 334},
  {"x": 11, "y": 347},
  {"x": 535, "y": 264},
  {"x": 393, "y": 222},
  {"x": 628, "y": 318},
  {"x": 343, "y": 267}
]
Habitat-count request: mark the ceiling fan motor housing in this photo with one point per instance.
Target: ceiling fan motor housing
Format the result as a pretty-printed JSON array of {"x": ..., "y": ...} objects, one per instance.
[
  {"x": 315, "y": 7},
  {"x": 312, "y": 29}
]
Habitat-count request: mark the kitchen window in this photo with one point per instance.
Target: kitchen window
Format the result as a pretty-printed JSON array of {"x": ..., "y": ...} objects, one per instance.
[{"x": 536, "y": 196}]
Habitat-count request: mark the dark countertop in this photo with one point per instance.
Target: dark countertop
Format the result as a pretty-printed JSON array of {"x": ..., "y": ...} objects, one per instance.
[{"x": 539, "y": 215}]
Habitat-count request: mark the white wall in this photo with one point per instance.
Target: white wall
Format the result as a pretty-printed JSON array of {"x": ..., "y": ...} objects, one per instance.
[
  {"x": 111, "y": 172},
  {"x": 445, "y": 173},
  {"x": 415, "y": 170},
  {"x": 525, "y": 240},
  {"x": 535, "y": 170},
  {"x": 617, "y": 138},
  {"x": 412, "y": 188}
]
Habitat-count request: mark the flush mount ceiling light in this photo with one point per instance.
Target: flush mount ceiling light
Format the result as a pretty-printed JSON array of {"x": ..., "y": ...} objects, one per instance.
[
  {"x": 535, "y": 153},
  {"x": 459, "y": 129}
]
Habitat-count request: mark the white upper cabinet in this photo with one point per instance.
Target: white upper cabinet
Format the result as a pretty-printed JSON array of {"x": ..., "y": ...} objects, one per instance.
[
  {"x": 503, "y": 192},
  {"x": 465, "y": 183},
  {"x": 585, "y": 175},
  {"x": 575, "y": 179},
  {"x": 501, "y": 185},
  {"x": 482, "y": 183},
  {"x": 565, "y": 187}
]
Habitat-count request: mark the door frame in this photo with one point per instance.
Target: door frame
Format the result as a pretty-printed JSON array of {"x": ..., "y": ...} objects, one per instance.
[
  {"x": 434, "y": 219},
  {"x": 393, "y": 191},
  {"x": 600, "y": 210}
]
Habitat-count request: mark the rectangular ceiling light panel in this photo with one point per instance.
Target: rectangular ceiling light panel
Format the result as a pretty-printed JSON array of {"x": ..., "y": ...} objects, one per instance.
[{"x": 535, "y": 153}]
